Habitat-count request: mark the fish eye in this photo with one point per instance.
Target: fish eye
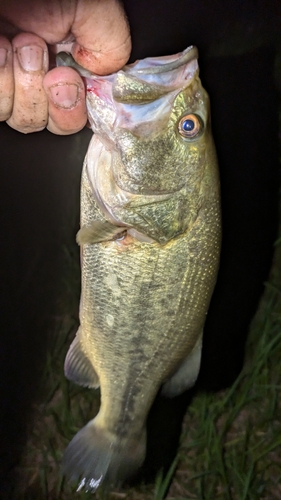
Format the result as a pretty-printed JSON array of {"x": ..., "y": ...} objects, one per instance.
[{"x": 190, "y": 126}]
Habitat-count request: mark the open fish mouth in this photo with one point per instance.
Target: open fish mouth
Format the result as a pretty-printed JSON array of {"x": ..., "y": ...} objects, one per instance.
[
  {"x": 112, "y": 101},
  {"x": 138, "y": 97}
]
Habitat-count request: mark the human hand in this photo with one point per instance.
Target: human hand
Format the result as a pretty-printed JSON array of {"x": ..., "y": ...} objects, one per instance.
[{"x": 32, "y": 96}]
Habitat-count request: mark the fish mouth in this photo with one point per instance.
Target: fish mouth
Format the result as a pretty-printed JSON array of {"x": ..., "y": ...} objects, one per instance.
[
  {"x": 138, "y": 97},
  {"x": 112, "y": 100}
]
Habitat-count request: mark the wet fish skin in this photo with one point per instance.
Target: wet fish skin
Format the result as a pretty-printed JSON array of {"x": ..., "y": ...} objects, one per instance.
[{"x": 143, "y": 305}]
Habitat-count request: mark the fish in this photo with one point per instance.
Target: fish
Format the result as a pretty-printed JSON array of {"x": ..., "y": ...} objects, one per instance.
[{"x": 150, "y": 238}]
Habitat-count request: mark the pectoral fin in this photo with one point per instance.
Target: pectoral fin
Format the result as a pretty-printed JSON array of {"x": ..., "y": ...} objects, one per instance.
[
  {"x": 78, "y": 368},
  {"x": 186, "y": 375},
  {"x": 99, "y": 231}
]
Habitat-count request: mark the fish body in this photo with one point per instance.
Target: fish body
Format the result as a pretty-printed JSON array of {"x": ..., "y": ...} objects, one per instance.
[{"x": 150, "y": 242}]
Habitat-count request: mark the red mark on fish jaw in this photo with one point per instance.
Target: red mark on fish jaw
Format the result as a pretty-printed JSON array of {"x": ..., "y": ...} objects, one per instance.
[
  {"x": 92, "y": 89},
  {"x": 95, "y": 87}
]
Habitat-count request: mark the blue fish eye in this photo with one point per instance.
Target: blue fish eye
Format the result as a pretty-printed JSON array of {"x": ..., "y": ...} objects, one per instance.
[{"x": 189, "y": 126}]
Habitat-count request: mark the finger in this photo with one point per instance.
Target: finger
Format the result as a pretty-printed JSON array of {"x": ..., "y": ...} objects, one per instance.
[
  {"x": 30, "y": 63},
  {"x": 102, "y": 34},
  {"x": 6, "y": 79},
  {"x": 49, "y": 20},
  {"x": 103, "y": 42},
  {"x": 66, "y": 95}
]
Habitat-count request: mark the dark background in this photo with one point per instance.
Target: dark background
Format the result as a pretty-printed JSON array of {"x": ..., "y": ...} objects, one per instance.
[{"x": 239, "y": 47}]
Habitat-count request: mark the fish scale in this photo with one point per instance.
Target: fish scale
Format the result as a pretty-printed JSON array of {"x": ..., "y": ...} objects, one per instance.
[
  {"x": 135, "y": 325},
  {"x": 149, "y": 256}
]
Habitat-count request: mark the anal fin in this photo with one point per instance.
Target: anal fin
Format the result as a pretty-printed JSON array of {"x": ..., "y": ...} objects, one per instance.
[
  {"x": 78, "y": 368},
  {"x": 185, "y": 377}
]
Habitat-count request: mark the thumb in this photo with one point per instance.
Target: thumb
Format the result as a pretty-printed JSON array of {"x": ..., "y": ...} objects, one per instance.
[{"x": 102, "y": 36}]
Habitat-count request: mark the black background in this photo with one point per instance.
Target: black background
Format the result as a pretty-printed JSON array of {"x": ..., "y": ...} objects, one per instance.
[{"x": 39, "y": 200}]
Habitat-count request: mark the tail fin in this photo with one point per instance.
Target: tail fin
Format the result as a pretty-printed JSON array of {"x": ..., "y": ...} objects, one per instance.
[{"x": 94, "y": 457}]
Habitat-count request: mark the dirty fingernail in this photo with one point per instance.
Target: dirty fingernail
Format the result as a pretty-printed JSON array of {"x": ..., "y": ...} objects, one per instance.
[
  {"x": 30, "y": 57},
  {"x": 3, "y": 57},
  {"x": 65, "y": 95}
]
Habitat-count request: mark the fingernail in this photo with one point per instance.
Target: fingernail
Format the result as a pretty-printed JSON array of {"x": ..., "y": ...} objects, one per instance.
[
  {"x": 30, "y": 57},
  {"x": 3, "y": 57},
  {"x": 65, "y": 95}
]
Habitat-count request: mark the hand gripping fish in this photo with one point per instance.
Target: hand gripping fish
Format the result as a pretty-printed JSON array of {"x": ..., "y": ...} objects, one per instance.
[{"x": 150, "y": 243}]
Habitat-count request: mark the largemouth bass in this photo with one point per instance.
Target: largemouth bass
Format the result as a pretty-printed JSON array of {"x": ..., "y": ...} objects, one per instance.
[{"x": 150, "y": 242}]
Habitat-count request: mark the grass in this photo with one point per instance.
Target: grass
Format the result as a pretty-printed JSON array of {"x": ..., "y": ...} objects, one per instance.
[
  {"x": 231, "y": 442},
  {"x": 232, "y": 447}
]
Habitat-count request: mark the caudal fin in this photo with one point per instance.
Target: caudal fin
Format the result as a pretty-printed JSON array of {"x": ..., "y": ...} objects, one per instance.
[{"x": 94, "y": 457}]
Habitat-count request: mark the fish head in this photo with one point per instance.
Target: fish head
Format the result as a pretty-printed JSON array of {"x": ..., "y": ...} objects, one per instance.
[{"x": 153, "y": 120}]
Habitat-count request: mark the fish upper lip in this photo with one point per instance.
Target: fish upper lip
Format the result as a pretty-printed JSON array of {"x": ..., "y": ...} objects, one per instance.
[{"x": 186, "y": 56}]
